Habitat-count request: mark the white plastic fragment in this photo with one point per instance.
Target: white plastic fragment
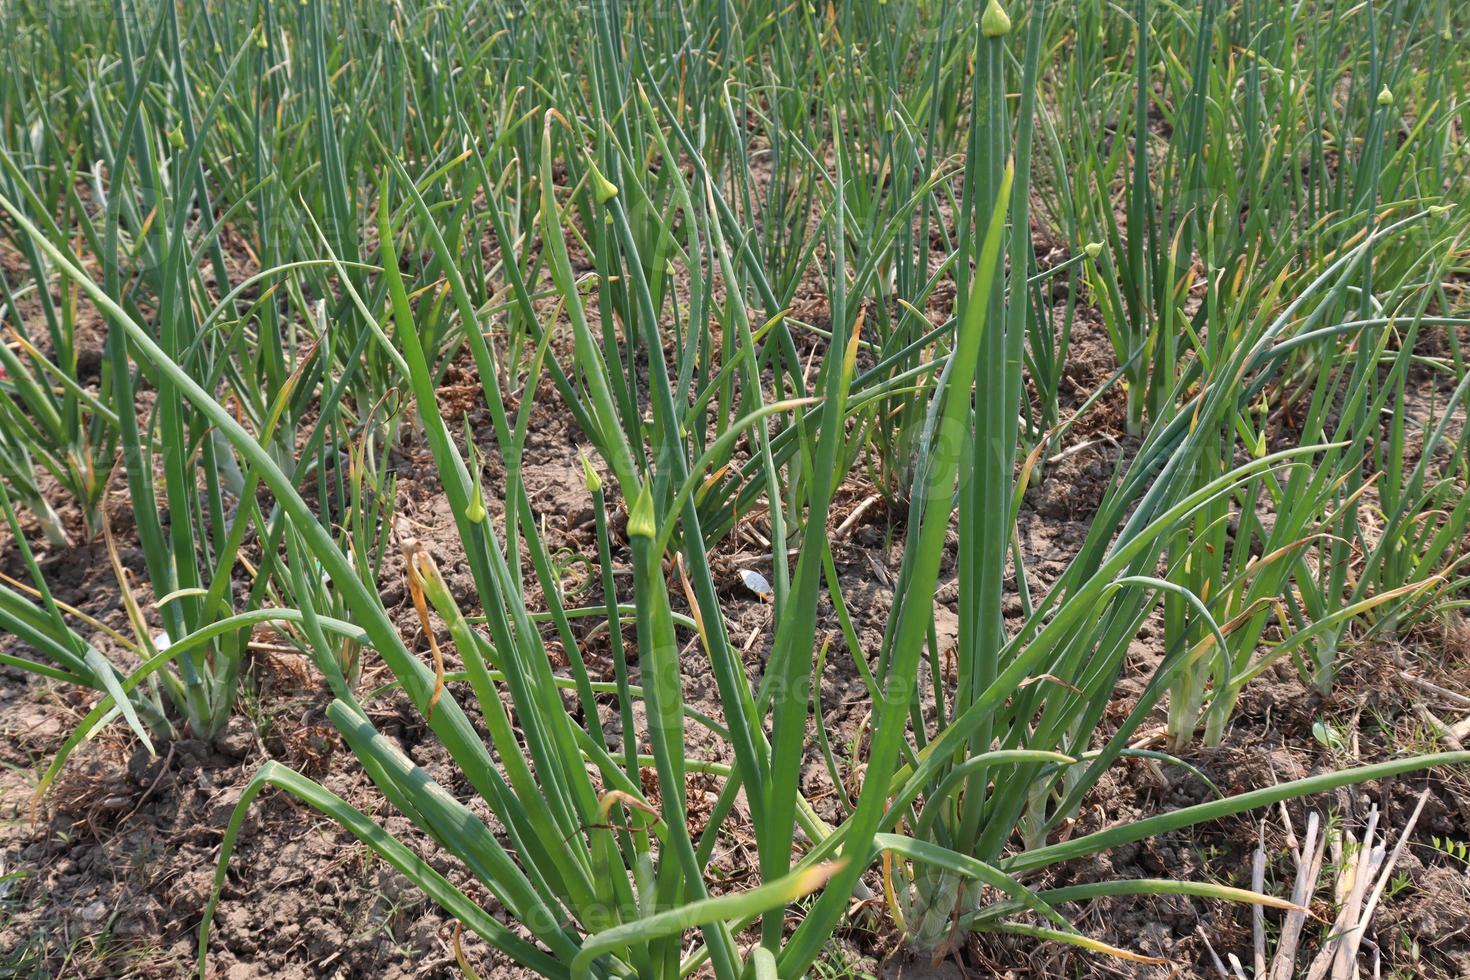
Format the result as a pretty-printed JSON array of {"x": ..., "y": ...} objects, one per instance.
[{"x": 756, "y": 582}]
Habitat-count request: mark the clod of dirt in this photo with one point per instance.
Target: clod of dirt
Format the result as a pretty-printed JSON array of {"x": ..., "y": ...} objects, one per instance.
[{"x": 238, "y": 739}]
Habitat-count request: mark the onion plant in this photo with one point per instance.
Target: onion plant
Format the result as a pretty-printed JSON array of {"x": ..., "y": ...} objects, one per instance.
[
  {"x": 32, "y": 614},
  {"x": 192, "y": 506},
  {"x": 52, "y": 423}
]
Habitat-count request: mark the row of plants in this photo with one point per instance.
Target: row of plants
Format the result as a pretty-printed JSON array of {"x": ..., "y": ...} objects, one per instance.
[{"x": 289, "y": 222}]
